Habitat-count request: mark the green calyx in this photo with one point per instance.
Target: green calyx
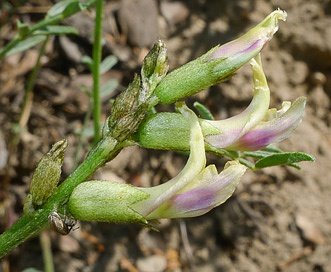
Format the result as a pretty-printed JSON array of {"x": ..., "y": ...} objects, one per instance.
[
  {"x": 192, "y": 78},
  {"x": 106, "y": 201}
]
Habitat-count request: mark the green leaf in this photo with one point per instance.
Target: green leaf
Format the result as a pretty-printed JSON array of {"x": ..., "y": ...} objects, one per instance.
[
  {"x": 61, "y": 7},
  {"x": 25, "y": 44},
  {"x": 88, "y": 61},
  {"x": 86, "y": 90},
  {"x": 107, "y": 64},
  {"x": 272, "y": 148},
  {"x": 56, "y": 30},
  {"x": 73, "y": 8},
  {"x": 286, "y": 158},
  {"x": 256, "y": 154},
  {"x": 246, "y": 163},
  {"x": 203, "y": 111}
]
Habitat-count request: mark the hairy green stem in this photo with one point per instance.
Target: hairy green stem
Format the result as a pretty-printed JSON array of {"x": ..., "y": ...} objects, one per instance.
[
  {"x": 97, "y": 52},
  {"x": 30, "y": 225}
]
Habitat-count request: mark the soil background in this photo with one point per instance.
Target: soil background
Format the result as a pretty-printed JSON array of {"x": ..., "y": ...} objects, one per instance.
[{"x": 279, "y": 219}]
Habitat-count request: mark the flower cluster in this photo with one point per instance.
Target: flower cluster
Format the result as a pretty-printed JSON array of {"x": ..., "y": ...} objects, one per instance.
[{"x": 197, "y": 188}]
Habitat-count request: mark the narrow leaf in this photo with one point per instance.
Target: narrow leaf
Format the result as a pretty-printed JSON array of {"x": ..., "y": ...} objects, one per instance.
[
  {"x": 60, "y": 7},
  {"x": 203, "y": 111},
  {"x": 286, "y": 158},
  {"x": 257, "y": 154},
  {"x": 107, "y": 89},
  {"x": 107, "y": 64},
  {"x": 25, "y": 44},
  {"x": 272, "y": 148},
  {"x": 73, "y": 8},
  {"x": 56, "y": 30},
  {"x": 87, "y": 60},
  {"x": 246, "y": 163}
]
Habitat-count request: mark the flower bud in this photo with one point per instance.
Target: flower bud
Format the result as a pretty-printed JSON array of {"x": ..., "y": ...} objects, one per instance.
[
  {"x": 46, "y": 176},
  {"x": 130, "y": 107},
  {"x": 126, "y": 113},
  {"x": 155, "y": 66},
  {"x": 219, "y": 63}
]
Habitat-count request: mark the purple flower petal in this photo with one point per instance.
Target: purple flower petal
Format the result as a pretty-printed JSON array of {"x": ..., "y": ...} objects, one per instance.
[
  {"x": 231, "y": 129},
  {"x": 250, "y": 44},
  {"x": 202, "y": 194},
  {"x": 272, "y": 131},
  {"x": 198, "y": 200}
]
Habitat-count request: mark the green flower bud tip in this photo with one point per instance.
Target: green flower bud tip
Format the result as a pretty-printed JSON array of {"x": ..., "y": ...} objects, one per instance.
[
  {"x": 154, "y": 68},
  {"x": 219, "y": 63},
  {"x": 194, "y": 191},
  {"x": 46, "y": 176},
  {"x": 130, "y": 107}
]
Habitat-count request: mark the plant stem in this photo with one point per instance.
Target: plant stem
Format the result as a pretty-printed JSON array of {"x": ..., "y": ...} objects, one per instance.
[
  {"x": 46, "y": 246},
  {"x": 28, "y": 97},
  {"x": 31, "y": 224},
  {"x": 97, "y": 52}
]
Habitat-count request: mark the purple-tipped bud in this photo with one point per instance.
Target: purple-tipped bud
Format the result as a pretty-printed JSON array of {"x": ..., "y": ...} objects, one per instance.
[
  {"x": 251, "y": 43},
  {"x": 219, "y": 63}
]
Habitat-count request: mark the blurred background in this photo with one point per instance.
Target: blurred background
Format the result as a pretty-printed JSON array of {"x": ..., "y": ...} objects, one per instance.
[{"x": 277, "y": 220}]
